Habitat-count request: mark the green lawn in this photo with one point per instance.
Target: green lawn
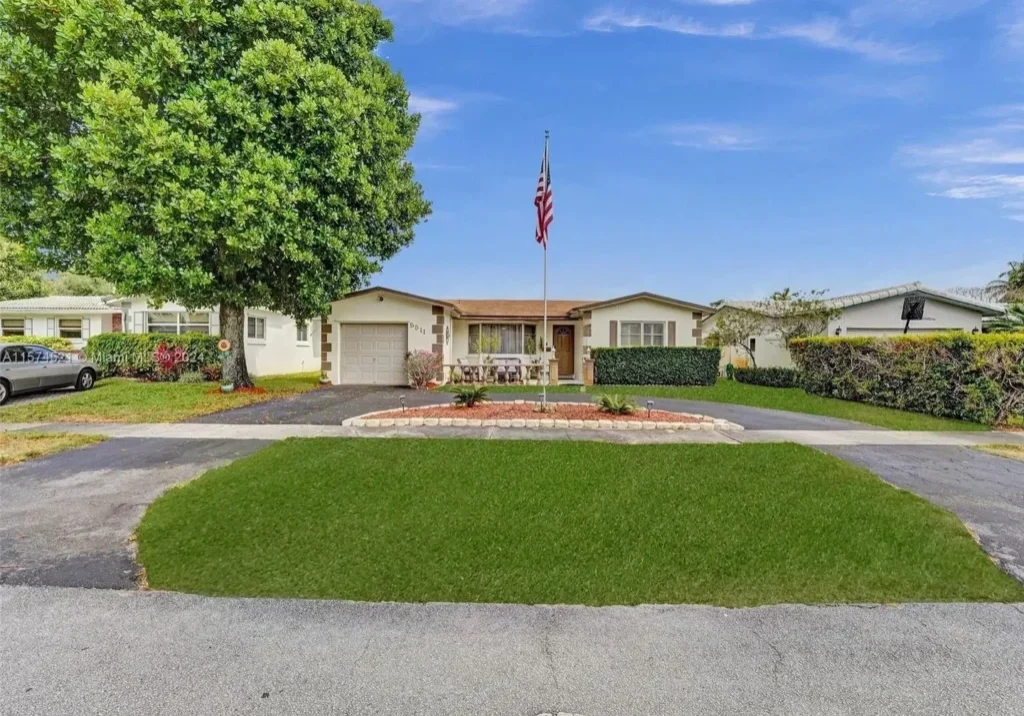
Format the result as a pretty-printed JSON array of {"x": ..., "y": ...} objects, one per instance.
[
  {"x": 558, "y": 522},
  {"x": 792, "y": 399},
  {"x": 119, "y": 400}
]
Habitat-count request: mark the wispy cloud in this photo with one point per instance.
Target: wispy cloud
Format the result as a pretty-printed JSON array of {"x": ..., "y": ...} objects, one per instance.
[
  {"x": 984, "y": 162},
  {"x": 458, "y": 12},
  {"x": 710, "y": 136},
  {"x": 434, "y": 110},
  {"x": 830, "y": 34},
  {"x": 611, "y": 20},
  {"x": 1011, "y": 35},
  {"x": 826, "y": 33},
  {"x": 913, "y": 12}
]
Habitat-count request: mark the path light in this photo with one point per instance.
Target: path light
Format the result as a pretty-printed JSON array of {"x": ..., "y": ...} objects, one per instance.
[
  {"x": 401, "y": 399},
  {"x": 650, "y": 404}
]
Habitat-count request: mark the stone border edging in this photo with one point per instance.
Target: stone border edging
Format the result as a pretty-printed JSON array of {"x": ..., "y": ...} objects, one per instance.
[{"x": 368, "y": 421}]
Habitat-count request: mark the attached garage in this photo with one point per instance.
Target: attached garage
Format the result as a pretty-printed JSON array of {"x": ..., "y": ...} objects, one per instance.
[{"x": 373, "y": 353}]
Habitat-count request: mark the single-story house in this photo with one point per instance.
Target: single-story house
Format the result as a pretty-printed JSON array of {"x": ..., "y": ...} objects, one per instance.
[
  {"x": 274, "y": 343},
  {"x": 870, "y": 313},
  {"x": 369, "y": 332}
]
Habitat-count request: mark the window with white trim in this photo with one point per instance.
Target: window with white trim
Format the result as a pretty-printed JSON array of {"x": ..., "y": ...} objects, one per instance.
[
  {"x": 177, "y": 322},
  {"x": 302, "y": 332},
  {"x": 69, "y": 327},
  {"x": 642, "y": 333},
  {"x": 256, "y": 328},
  {"x": 12, "y": 327},
  {"x": 501, "y": 338}
]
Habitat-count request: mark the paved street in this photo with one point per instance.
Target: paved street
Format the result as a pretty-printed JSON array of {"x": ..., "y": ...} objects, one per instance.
[{"x": 105, "y": 652}]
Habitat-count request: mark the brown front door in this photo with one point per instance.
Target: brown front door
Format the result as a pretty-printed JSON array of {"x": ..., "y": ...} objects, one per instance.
[{"x": 565, "y": 350}]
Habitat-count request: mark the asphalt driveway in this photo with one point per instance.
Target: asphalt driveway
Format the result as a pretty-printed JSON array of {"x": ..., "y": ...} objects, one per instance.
[
  {"x": 329, "y": 406},
  {"x": 66, "y": 519}
]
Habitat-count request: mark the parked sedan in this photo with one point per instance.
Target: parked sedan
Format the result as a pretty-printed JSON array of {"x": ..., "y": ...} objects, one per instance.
[{"x": 26, "y": 368}]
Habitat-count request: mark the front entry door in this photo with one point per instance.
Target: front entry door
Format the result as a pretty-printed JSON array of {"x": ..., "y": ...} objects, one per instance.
[{"x": 565, "y": 350}]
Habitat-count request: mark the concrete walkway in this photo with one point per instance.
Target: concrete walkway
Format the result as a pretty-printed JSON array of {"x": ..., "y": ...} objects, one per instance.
[
  {"x": 255, "y": 431},
  {"x": 102, "y": 652}
]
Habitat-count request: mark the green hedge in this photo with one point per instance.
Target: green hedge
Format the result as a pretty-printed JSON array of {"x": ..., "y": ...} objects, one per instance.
[
  {"x": 771, "y": 377},
  {"x": 971, "y": 377},
  {"x": 655, "y": 365},
  {"x": 54, "y": 343},
  {"x": 131, "y": 354}
]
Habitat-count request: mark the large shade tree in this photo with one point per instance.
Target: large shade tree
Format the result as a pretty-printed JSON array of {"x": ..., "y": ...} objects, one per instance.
[{"x": 210, "y": 152}]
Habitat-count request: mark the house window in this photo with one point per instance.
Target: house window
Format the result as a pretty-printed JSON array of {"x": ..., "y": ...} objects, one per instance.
[
  {"x": 301, "y": 332},
  {"x": 174, "y": 323},
  {"x": 636, "y": 333},
  {"x": 12, "y": 327},
  {"x": 69, "y": 328},
  {"x": 257, "y": 328},
  {"x": 753, "y": 345},
  {"x": 502, "y": 338}
]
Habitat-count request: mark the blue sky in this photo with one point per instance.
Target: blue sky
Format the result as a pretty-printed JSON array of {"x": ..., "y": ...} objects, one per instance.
[{"x": 713, "y": 148}]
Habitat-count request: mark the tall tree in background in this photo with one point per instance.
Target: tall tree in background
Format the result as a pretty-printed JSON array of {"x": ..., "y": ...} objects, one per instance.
[
  {"x": 1009, "y": 287},
  {"x": 18, "y": 277},
  {"x": 231, "y": 152}
]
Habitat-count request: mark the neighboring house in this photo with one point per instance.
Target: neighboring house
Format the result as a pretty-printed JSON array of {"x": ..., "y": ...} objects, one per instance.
[
  {"x": 72, "y": 317},
  {"x": 369, "y": 332},
  {"x": 274, "y": 343},
  {"x": 871, "y": 313}
]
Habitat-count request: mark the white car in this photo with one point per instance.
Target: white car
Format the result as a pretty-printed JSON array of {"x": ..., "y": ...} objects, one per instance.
[{"x": 26, "y": 368}]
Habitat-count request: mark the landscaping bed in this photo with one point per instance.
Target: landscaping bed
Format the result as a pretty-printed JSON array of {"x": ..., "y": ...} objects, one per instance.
[
  {"x": 559, "y": 411},
  {"x": 540, "y": 522}
]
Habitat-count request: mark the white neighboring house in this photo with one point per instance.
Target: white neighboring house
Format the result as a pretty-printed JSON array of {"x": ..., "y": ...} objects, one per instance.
[
  {"x": 871, "y": 313},
  {"x": 72, "y": 317},
  {"x": 274, "y": 343}
]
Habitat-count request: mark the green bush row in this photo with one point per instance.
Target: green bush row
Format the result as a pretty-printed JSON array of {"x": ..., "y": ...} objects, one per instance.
[
  {"x": 131, "y": 355},
  {"x": 54, "y": 343},
  {"x": 971, "y": 377},
  {"x": 656, "y": 365},
  {"x": 771, "y": 377}
]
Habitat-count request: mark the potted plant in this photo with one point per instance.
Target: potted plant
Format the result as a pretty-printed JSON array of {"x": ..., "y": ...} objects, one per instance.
[{"x": 324, "y": 378}]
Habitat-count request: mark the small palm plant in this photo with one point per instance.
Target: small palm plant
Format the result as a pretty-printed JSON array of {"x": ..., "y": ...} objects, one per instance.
[
  {"x": 1013, "y": 320},
  {"x": 615, "y": 404},
  {"x": 468, "y": 396}
]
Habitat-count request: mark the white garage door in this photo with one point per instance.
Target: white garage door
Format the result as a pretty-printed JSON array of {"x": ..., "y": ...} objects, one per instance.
[{"x": 374, "y": 353}]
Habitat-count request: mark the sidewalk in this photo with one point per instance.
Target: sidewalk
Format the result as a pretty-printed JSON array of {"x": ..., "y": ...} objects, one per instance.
[{"x": 224, "y": 431}]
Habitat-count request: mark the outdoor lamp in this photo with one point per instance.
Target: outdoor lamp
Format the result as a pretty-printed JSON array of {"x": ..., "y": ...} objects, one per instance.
[
  {"x": 401, "y": 399},
  {"x": 650, "y": 404}
]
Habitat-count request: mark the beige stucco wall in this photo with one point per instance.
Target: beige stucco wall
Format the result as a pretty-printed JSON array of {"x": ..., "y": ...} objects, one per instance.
[
  {"x": 643, "y": 310},
  {"x": 370, "y": 308}
]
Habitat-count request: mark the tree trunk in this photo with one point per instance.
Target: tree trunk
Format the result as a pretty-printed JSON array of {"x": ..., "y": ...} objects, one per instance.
[{"x": 232, "y": 327}]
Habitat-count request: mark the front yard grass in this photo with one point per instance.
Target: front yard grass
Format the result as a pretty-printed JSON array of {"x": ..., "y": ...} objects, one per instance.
[
  {"x": 120, "y": 400},
  {"x": 18, "y": 447},
  {"x": 558, "y": 522},
  {"x": 757, "y": 396},
  {"x": 1011, "y": 450}
]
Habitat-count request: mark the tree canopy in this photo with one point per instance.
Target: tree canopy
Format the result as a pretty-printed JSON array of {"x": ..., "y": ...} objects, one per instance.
[
  {"x": 18, "y": 277},
  {"x": 220, "y": 152}
]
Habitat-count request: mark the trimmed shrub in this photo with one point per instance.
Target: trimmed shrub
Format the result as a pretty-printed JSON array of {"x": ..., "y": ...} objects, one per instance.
[
  {"x": 422, "y": 367},
  {"x": 134, "y": 355},
  {"x": 971, "y": 377},
  {"x": 771, "y": 377},
  {"x": 656, "y": 365},
  {"x": 54, "y": 343}
]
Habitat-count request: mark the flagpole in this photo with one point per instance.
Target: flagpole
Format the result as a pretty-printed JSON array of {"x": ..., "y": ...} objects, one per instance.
[{"x": 547, "y": 362}]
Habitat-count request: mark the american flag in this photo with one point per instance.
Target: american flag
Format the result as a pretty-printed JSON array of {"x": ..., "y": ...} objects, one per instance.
[{"x": 544, "y": 201}]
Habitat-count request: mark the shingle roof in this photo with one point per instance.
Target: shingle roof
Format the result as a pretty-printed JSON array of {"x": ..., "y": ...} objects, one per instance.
[
  {"x": 513, "y": 308},
  {"x": 77, "y": 304},
  {"x": 907, "y": 289}
]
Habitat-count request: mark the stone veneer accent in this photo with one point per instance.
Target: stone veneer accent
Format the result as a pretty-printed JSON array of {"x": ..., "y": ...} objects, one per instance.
[
  {"x": 696, "y": 333},
  {"x": 325, "y": 345},
  {"x": 437, "y": 330}
]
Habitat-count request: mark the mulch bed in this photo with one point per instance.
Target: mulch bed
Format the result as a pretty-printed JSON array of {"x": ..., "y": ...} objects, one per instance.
[
  {"x": 246, "y": 391},
  {"x": 528, "y": 411}
]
